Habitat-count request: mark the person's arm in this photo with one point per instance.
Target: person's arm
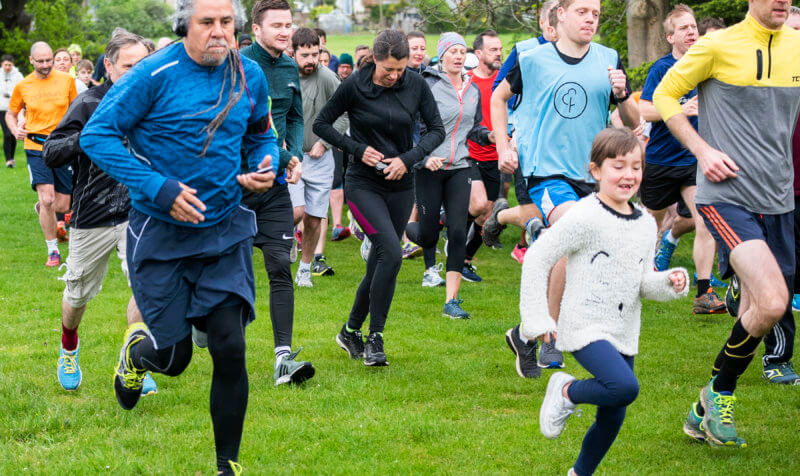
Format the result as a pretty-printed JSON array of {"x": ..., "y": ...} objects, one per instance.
[
  {"x": 333, "y": 109},
  {"x": 507, "y": 160},
  {"x": 660, "y": 285},
  {"x": 294, "y": 124},
  {"x": 15, "y": 105},
  {"x": 621, "y": 88},
  {"x": 434, "y": 130},
  {"x": 63, "y": 144},
  {"x": 261, "y": 140}
]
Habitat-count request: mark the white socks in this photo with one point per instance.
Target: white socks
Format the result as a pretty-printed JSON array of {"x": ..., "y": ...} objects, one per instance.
[
  {"x": 304, "y": 266},
  {"x": 280, "y": 353},
  {"x": 672, "y": 239},
  {"x": 52, "y": 245}
]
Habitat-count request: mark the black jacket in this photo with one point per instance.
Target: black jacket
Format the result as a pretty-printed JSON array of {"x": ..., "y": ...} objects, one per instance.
[
  {"x": 383, "y": 118},
  {"x": 97, "y": 199}
]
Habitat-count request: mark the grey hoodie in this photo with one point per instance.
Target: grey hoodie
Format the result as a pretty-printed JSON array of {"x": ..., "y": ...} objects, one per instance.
[{"x": 461, "y": 117}]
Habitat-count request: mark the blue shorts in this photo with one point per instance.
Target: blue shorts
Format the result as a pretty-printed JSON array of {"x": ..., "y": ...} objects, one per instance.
[
  {"x": 178, "y": 273},
  {"x": 731, "y": 225},
  {"x": 40, "y": 173},
  {"x": 550, "y": 193}
]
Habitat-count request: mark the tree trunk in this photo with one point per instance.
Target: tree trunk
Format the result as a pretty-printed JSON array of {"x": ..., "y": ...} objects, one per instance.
[{"x": 646, "y": 39}]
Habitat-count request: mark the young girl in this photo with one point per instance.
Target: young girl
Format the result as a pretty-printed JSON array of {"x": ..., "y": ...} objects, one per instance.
[{"x": 609, "y": 245}]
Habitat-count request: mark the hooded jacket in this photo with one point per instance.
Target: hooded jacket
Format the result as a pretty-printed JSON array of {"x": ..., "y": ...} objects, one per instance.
[
  {"x": 461, "y": 116},
  {"x": 7, "y": 83}
]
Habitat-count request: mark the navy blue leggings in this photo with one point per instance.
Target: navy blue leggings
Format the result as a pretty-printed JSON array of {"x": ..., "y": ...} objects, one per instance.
[{"x": 612, "y": 389}]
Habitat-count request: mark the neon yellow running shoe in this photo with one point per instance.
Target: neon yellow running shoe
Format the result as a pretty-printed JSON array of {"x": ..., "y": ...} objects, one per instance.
[
  {"x": 127, "y": 378},
  {"x": 718, "y": 423}
]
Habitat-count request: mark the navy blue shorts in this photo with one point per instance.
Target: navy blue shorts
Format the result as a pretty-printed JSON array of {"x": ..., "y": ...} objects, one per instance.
[
  {"x": 60, "y": 177},
  {"x": 178, "y": 273},
  {"x": 731, "y": 225}
]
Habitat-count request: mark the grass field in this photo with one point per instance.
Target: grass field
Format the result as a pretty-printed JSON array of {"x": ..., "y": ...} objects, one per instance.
[{"x": 450, "y": 403}]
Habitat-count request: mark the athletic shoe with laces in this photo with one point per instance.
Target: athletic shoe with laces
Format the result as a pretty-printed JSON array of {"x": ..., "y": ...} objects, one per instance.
[
  {"x": 127, "y": 378},
  {"x": 733, "y": 296},
  {"x": 549, "y": 356},
  {"x": 714, "y": 281},
  {"x": 365, "y": 247},
  {"x": 492, "y": 228},
  {"x": 453, "y": 310},
  {"x": 293, "y": 371},
  {"x": 320, "y": 267},
  {"x": 782, "y": 373},
  {"x": 431, "y": 277},
  {"x": 233, "y": 469},
  {"x": 61, "y": 232},
  {"x": 693, "y": 426},
  {"x": 525, "y": 353},
  {"x": 11, "y": 163},
  {"x": 709, "y": 303},
  {"x": 518, "y": 253},
  {"x": 67, "y": 219},
  {"x": 468, "y": 273},
  {"x": 298, "y": 235},
  {"x": 411, "y": 250},
  {"x": 53, "y": 259},
  {"x": 355, "y": 229},
  {"x": 718, "y": 423},
  {"x": 303, "y": 278},
  {"x": 351, "y": 342},
  {"x": 533, "y": 228},
  {"x": 199, "y": 338},
  {"x": 69, "y": 372},
  {"x": 555, "y": 408},
  {"x": 374, "y": 356},
  {"x": 796, "y": 302},
  {"x": 664, "y": 253},
  {"x": 149, "y": 386},
  {"x": 339, "y": 233}
]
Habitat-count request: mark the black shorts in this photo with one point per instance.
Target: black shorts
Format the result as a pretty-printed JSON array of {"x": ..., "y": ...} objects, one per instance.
[
  {"x": 274, "y": 216},
  {"x": 521, "y": 188},
  {"x": 488, "y": 173},
  {"x": 662, "y": 185},
  {"x": 338, "y": 169}
]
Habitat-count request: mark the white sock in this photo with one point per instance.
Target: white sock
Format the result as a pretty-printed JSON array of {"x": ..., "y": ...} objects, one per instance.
[
  {"x": 280, "y": 353},
  {"x": 52, "y": 245},
  {"x": 304, "y": 266},
  {"x": 672, "y": 239},
  {"x": 524, "y": 339}
]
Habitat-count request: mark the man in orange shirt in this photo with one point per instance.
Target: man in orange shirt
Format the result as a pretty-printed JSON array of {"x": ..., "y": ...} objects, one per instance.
[{"x": 45, "y": 95}]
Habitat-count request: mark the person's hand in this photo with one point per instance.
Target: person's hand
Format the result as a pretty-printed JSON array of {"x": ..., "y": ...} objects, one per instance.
[
  {"x": 258, "y": 182},
  {"x": 371, "y": 157},
  {"x": 618, "y": 81},
  {"x": 507, "y": 160},
  {"x": 640, "y": 128},
  {"x": 21, "y": 132},
  {"x": 294, "y": 170},
  {"x": 395, "y": 170},
  {"x": 186, "y": 205},
  {"x": 716, "y": 165},
  {"x": 690, "y": 107},
  {"x": 434, "y": 163},
  {"x": 678, "y": 280},
  {"x": 316, "y": 150}
]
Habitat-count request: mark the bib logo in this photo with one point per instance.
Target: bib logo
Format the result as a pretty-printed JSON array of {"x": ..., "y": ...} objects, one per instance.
[{"x": 570, "y": 100}]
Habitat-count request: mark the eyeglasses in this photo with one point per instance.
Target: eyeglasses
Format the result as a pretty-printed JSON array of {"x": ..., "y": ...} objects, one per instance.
[{"x": 43, "y": 61}]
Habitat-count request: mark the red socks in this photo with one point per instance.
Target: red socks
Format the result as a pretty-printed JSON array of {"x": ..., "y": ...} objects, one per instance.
[{"x": 69, "y": 338}]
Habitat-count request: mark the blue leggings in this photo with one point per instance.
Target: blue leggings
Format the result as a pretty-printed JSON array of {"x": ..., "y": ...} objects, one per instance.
[{"x": 612, "y": 389}]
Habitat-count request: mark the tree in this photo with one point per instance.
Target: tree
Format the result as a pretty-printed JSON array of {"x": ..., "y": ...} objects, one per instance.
[
  {"x": 149, "y": 18},
  {"x": 646, "y": 38}
]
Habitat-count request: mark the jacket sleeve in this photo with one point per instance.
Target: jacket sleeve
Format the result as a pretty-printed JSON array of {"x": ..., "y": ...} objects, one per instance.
[
  {"x": 261, "y": 140},
  {"x": 63, "y": 144},
  {"x": 294, "y": 128},
  {"x": 479, "y": 133},
  {"x": 694, "y": 68},
  {"x": 510, "y": 62},
  {"x": 333, "y": 109},
  {"x": 434, "y": 130}
]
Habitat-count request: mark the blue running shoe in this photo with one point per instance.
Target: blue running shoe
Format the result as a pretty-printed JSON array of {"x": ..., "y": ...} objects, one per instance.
[
  {"x": 714, "y": 281},
  {"x": 69, "y": 372},
  {"x": 664, "y": 253},
  {"x": 796, "y": 302},
  {"x": 468, "y": 273},
  {"x": 452, "y": 309},
  {"x": 149, "y": 386}
]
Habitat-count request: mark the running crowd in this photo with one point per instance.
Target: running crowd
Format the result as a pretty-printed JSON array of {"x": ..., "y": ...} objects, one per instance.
[{"x": 181, "y": 156}]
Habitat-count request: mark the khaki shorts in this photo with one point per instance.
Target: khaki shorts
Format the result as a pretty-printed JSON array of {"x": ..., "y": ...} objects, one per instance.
[
  {"x": 87, "y": 262},
  {"x": 313, "y": 191}
]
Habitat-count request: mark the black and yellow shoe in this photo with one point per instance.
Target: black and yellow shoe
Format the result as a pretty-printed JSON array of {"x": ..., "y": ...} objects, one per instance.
[
  {"x": 733, "y": 296},
  {"x": 127, "y": 378}
]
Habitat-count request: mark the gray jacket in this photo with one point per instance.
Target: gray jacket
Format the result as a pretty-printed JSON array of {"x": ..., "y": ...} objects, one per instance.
[{"x": 461, "y": 116}]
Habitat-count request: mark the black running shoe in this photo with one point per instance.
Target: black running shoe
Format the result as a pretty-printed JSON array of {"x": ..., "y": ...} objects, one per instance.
[
  {"x": 127, "y": 378},
  {"x": 352, "y": 342},
  {"x": 373, "y": 351},
  {"x": 525, "y": 352},
  {"x": 492, "y": 228},
  {"x": 733, "y": 296}
]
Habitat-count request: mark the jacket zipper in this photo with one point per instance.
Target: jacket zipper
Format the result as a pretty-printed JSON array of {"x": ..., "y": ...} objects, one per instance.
[
  {"x": 458, "y": 121},
  {"x": 769, "y": 57}
]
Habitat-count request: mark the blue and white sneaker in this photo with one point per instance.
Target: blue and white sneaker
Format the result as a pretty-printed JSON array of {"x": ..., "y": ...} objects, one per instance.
[
  {"x": 149, "y": 386},
  {"x": 366, "y": 245},
  {"x": 664, "y": 253},
  {"x": 69, "y": 372},
  {"x": 796, "y": 302},
  {"x": 431, "y": 278},
  {"x": 452, "y": 309},
  {"x": 468, "y": 273},
  {"x": 533, "y": 228}
]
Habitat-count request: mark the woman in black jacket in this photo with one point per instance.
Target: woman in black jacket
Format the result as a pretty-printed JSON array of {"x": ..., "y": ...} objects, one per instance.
[{"x": 382, "y": 101}]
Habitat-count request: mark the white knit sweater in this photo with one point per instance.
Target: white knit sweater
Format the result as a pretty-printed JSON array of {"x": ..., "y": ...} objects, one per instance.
[{"x": 609, "y": 270}]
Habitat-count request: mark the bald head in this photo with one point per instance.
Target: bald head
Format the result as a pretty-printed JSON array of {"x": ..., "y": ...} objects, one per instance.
[
  {"x": 41, "y": 59},
  {"x": 162, "y": 42},
  {"x": 40, "y": 47}
]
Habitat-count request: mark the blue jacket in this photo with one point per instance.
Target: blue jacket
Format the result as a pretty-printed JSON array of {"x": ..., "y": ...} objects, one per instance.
[{"x": 162, "y": 106}]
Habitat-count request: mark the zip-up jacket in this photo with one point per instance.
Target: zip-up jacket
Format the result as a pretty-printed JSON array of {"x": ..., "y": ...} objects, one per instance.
[
  {"x": 97, "y": 199},
  {"x": 382, "y": 118},
  {"x": 748, "y": 80},
  {"x": 461, "y": 116}
]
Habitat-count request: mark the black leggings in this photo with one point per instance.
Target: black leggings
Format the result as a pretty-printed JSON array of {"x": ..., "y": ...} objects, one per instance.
[
  {"x": 9, "y": 141},
  {"x": 451, "y": 188},
  {"x": 382, "y": 214},
  {"x": 229, "y": 385}
]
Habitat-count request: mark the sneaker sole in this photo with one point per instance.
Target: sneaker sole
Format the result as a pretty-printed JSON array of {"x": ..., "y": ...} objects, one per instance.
[
  {"x": 341, "y": 344},
  {"x": 303, "y": 285},
  {"x": 552, "y": 365},
  {"x": 695, "y": 311},
  {"x": 432, "y": 285},
  {"x": 327, "y": 272},
  {"x": 554, "y": 386},
  {"x": 300, "y": 375},
  {"x": 456, "y": 318},
  {"x": 471, "y": 280},
  {"x": 510, "y": 342},
  {"x": 376, "y": 363},
  {"x": 697, "y": 435},
  {"x": 776, "y": 382}
]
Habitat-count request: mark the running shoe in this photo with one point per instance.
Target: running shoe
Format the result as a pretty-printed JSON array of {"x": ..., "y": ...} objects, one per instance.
[
  {"x": 664, "y": 253},
  {"x": 234, "y": 469},
  {"x": 492, "y": 228},
  {"x": 69, "y": 372},
  {"x": 293, "y": 252},
  {"x": 718, "y": 423},
  {"x": 555, "y": 408},
  {"x": 431, "y": 277},
  {"x": 298, "y": 235},
  {"x": 293, "y": 371},
  {"x": 525, "y": 353},
  {"x": 61, "y": 232},
  {"x": 374, "y": 356},
  {"x": 127, "y": 378},
  {"x": 53, "y": 259},
  {"x": 11, "y": 163},
  {"x": 365, "y": 247},
  {"x": 533, "y": 228},
  {"x": 149, "y": 386},
  {"x": 351, "y": 342},
  {"x": 67, "y": 219},
  {"x": 733, "y": 296},
  {"x": 199, "y": 338},
  {"x": 339, "y": 233},
  {"x": 709, "y": 303},
  {"x": 518, "y": 253},
  {"x": 549, "y": 356},
  {"x": 411, "y": 250},
  {"x": 796, "y": 302},
  {"x": 782, "y": 373},
  {"x": 452, "y": 309},
  {"x": 320, "y": 267},
  {"x": 355, "y": 229},
  {"x": 714, "y": 281},
  {"x": 468, "y": 273},
  {"x": 303, "y": 278},
  {"x": 693, "y": 426}
]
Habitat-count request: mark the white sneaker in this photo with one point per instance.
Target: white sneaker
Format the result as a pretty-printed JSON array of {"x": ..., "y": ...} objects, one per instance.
[
  {"x": 365, "y": 247},
  {"x": 431, "y": 278},
  {"x": 293, "y": 252},
  {"x": 555, "y": 408},
  {"x": 303, "y": 278}
]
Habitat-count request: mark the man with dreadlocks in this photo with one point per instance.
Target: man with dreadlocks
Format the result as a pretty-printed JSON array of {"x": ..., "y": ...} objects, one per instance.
[{"x": 187, "y": 111}]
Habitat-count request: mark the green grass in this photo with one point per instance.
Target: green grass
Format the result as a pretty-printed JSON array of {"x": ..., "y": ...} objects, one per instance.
[
  {"x": 338, "y": 44},
  {"x": 450, "y": 403}
]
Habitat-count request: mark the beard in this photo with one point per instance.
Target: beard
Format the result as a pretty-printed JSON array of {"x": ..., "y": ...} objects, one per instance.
[
  {"x": 212, "y": 59},
  {"x": 493, "y": 65},
  {"x": 44, "y": 71}
]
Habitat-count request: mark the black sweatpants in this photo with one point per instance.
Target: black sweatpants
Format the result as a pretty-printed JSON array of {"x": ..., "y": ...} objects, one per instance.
[
  {"x": 382, "y": 213},
  {"x": 433, "y": 189}
]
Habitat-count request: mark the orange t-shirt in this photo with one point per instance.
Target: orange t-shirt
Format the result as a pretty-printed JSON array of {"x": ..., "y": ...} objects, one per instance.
[{"x": 45, "y": 102}]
